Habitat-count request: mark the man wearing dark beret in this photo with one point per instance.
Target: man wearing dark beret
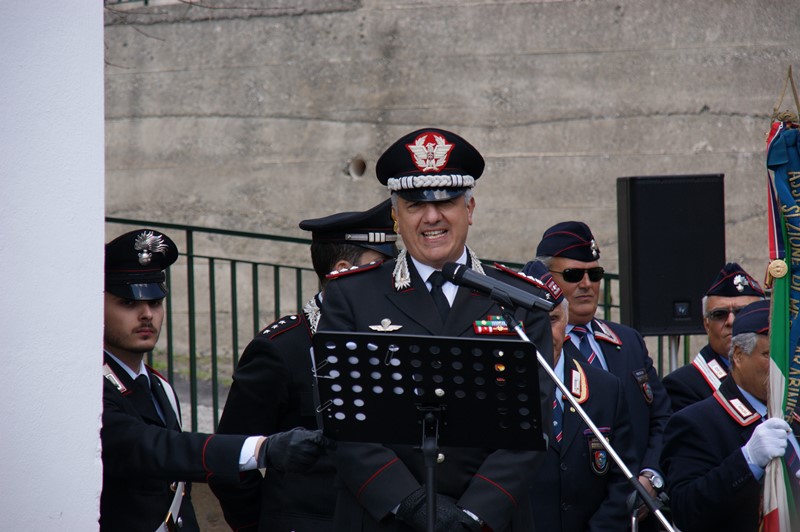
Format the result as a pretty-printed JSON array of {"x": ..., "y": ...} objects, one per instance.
[
  {"x": 148, "y": 461},
  {"x": 272, "y": 384},
  {"x": 732, "y": 289},
  {"x": 579, "y": 487},
  {"x": 716, "y": 450},
  {"x": 571, "y": 253},
  {"x": 430, "y": 174}
]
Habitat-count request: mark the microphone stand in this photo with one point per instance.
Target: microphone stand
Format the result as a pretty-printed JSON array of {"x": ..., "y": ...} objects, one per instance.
[{"x": 655, "y": 507}]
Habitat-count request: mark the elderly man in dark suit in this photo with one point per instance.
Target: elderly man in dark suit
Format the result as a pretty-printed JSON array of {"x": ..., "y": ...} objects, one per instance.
[
  {"x": 431, "y": 173},
  {"x": 579, "y": 487},
  {"x": 715, "y": 450},
  {"x": 732, "y": 290}
]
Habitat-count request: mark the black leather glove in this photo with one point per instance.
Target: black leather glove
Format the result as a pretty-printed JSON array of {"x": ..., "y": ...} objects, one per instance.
[
  {"x": 452, "y": 518},
  {"x": 295, "y": 450},
  {"x": 413, "y": 511}
]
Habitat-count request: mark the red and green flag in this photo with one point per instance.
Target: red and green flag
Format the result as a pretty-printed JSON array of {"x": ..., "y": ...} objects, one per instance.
[{"x": 781, "y": 488}]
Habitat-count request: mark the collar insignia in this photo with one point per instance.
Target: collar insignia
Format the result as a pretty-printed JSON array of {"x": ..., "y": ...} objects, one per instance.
[
  {"x": 718, "y": 370},
  {"x": 109, "y": 374},
  {"x": 146, "y": 244},
  {"x": 711, "y": 372},
  {"x": 430, "y": 154},
  {"x": 604, "y": 332},
  {"x": 737, "y": 409},
  {"x": 402, "y": 275},
  {"x": 578, "y": 384},
  {"x": 385, "y": 326}
]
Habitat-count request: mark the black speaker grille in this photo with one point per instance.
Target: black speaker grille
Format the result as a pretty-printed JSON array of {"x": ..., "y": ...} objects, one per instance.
[{"x": 671, "y": 246}]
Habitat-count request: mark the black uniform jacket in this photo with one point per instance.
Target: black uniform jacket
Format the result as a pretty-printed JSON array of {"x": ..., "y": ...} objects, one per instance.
[
  {"x": 142, "y": 456},
  {"x": 579, "y": 487},
  {"x": 709, "y": 482},
  {"x": 648, "y": 404},
  {"x": 489, "y": 482},
  {"x": 697, "y": 380},
  {"x": 272, "y": 392}
]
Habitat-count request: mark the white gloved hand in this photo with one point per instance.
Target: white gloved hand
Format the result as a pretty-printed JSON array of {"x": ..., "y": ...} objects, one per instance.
[{"x": 767, "y": 442}]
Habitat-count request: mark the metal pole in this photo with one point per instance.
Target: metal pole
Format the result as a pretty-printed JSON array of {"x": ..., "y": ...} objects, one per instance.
[{"x": 673, "y": 342}]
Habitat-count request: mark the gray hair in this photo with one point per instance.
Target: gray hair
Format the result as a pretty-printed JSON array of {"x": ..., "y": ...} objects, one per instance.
[
  {"x": 547, "y": 261},
  {"x": 746, "y": 342},
  {"x": 704, "y": 304}
]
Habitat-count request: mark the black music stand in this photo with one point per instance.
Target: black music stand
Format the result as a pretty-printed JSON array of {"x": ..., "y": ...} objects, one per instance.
[{"x": 427, "y": 391}]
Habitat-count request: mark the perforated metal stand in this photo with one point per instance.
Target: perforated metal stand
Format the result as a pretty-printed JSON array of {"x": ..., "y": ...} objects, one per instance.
[{"x": 459, "y": 392}]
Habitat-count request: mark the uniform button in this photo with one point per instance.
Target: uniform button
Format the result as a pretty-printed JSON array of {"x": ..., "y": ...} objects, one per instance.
[
  {"x": 563, "y": 466},
  {"x": 174, "y": 486},
  {"x": 440, "y": 458},
  {"x": 179, "y": 522},
  {"x": 564, "y": 506}
]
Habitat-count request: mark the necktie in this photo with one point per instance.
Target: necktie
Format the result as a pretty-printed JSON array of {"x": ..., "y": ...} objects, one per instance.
[
  {"x": 558, "y": 418},
  {"x": 143, "y": 383},
  {"x": 586, "y": 347},
  {"x": 439, "y": 299}
]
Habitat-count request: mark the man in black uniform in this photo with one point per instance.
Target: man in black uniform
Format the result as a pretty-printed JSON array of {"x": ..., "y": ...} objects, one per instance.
[
  {"x": 716, "y": 450},
  {"x": 430, "y": 173},
  {"x": 272, "y": 385},
  {"x": 732, "y": 290},
  {"x": 579, "y": 487},
  {"x": 570, "y": 252},
  {"x": 146, "y": 457}
]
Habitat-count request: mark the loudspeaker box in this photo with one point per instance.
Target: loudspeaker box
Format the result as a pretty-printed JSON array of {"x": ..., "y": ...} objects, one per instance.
[{"x": 671, "y": 246}]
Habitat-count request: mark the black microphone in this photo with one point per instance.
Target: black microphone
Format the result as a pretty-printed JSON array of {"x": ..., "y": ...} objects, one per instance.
[{"x": 497, "y": 290}]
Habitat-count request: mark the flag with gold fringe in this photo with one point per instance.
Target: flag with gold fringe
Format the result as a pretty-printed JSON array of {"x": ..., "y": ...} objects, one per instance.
[{"x": 781, "y": 488}]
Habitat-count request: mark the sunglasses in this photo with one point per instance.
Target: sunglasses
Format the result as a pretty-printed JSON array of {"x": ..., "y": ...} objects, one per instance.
[
  {"x": 575, "y": 275},
  {"x": 722, "y": 313}
]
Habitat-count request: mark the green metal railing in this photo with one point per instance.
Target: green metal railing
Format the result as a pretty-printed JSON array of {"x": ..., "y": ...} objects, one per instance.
[{"x": 202, "y": 352}]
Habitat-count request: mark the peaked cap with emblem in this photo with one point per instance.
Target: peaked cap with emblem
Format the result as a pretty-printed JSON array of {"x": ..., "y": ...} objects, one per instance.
[
  {"x": 733, "y": 281},
  {"x": 539, "y": 271},
  {"x": 430, "y": 165},
  {"x": 753, "y": 318},
  {"x": 572, "y": 240},
  {"x": 371, "y": 229},
  {"x": 135, "y": 264}
]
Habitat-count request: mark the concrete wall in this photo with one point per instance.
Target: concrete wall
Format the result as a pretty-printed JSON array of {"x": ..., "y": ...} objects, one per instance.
[
  {"x": 51, "y": 243},
  {"x": 248, "y": 118}
]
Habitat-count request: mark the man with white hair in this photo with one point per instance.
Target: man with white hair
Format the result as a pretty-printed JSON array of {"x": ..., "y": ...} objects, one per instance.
[
  {"x": 732, "y": 289},
  {"x": 430, "y": 173},
  {"x": 716, "y": 450},
  {"x": 579, "y": 487}
]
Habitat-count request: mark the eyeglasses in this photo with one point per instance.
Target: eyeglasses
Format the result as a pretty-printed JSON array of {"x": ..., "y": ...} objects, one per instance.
[
  {"x": 721, "y": 314},
  {"x": 575, "y": 275}
]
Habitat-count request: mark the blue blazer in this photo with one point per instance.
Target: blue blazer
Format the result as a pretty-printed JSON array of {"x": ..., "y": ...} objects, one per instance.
[
  {"x": 709, "y": 482},
  {"x": 579, "y": 487}
]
